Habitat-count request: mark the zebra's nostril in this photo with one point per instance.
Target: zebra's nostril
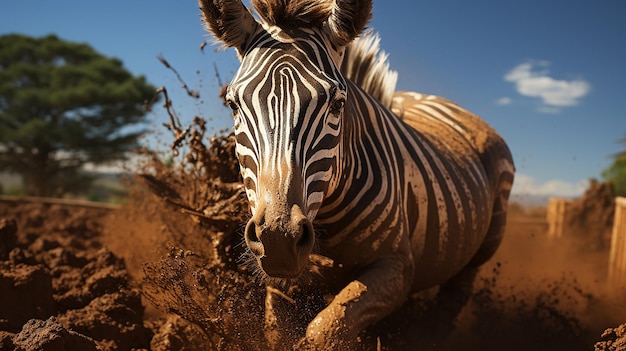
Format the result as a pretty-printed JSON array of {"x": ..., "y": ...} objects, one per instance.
[
  {"x": 252, "y": 239},
  {"x": 307, "y": 236}
]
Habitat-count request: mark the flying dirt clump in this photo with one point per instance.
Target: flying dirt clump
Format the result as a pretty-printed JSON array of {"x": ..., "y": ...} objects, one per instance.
[
  {"x": 200, "y": 278},
  {"x": 222, "y": 302},
  {"x": 613, "y": 339}
]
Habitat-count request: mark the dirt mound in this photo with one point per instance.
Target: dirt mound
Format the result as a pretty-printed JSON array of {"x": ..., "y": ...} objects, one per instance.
[
  {"x": 590, "y": 217},
  {"x": 56, "y": 271},
  {"x": 52, "y": 336}
]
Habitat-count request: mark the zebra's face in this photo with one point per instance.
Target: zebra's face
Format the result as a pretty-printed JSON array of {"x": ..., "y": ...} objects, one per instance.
[{"x": 287, "y": 101}]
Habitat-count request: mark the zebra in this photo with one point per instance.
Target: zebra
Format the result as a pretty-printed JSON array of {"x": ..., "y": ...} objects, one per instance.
[{"x": 400, "y": 191}]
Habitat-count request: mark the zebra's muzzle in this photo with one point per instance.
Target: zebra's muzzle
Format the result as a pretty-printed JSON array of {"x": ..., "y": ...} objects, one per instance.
[{"x": 280, "y": 245}]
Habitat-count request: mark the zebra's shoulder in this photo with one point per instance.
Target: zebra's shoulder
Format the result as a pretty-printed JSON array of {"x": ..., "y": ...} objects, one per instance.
[{"x": 367, "y": 66}]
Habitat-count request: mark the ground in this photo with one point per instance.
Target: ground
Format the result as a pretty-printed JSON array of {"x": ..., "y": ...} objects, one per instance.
[{"x": 163, "y": 273}]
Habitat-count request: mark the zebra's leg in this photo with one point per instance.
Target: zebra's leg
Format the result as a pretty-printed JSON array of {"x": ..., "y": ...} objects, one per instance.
[
  {"x": 495, "y": 233},
  {"x": 380, "y": 289},
  {"x": 454, "y": 294},
  {"x": 451, "y": 298}
]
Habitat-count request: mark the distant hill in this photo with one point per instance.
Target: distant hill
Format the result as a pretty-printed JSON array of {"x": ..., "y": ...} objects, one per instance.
[
  {"x": 106, "y": 187},
  {"x": 531, "y": 200}
]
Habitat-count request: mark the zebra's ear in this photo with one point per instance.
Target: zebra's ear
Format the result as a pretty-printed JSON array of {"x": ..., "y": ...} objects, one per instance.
[
  {"x": 230, "y": 21},
  {"x": 348, "y": 19}
]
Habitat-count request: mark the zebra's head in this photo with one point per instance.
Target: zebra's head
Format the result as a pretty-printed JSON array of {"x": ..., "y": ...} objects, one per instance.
[{"x": 288, "y": 101}]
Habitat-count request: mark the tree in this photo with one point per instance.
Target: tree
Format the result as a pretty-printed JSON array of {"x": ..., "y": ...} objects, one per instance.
[
  {"x": 62, "y": 104},
  {"x": 616, "y": 173}
]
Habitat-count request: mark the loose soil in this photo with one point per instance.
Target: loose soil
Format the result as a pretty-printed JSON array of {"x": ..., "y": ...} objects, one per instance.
[{"x": 165, "y": 272}]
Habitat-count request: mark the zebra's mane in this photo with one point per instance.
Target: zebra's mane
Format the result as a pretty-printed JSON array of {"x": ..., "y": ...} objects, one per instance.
[
  {"x": 294, "y": 13},
  {"x": 367, "y": 66}
]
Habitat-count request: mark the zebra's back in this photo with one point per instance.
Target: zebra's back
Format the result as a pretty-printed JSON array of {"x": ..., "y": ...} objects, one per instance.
[{"x": 473, "y": 176}]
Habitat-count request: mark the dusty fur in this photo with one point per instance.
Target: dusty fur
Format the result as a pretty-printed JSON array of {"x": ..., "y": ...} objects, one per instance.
[{"x": 367, "y": 66}]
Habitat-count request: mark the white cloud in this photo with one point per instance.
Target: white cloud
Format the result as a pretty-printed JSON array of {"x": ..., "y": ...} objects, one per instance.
[
  {"x": 527, "y": 185},
  {"x": 532, "y": 79},
  {"x": 504, "y": 101}
]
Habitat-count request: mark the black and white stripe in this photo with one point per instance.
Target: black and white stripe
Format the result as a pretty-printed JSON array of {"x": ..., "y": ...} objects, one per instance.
[{"x": 288, "y": 124}]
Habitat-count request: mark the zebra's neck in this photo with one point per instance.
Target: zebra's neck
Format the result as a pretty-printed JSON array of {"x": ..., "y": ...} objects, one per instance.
[{"x": 364, "y": 167}]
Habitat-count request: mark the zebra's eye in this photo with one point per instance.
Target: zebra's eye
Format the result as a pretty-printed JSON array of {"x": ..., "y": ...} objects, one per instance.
[
  {"x": 233, "y": 105},
  {"x": 337, "y": 105}
]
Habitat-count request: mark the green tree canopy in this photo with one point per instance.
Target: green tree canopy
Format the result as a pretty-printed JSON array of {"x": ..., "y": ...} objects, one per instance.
[
  {"x": 616, "y": 173},
  {"x": 62, "y": 104}
]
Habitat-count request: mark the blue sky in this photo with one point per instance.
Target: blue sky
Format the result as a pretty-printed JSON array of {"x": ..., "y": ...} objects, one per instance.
[{"x": 549, "y": 75}]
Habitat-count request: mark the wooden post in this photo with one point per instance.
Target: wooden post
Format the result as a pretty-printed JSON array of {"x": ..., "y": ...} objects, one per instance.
[
  {"x": 555, "y": 215},
  {"x": 617, "y": 256}
]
